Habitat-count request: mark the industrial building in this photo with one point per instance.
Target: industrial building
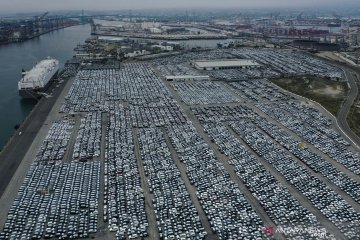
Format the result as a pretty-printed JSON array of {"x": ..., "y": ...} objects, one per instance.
[
  {"x": 111, "y": 39},
  {"x": 225, "y": 64}
]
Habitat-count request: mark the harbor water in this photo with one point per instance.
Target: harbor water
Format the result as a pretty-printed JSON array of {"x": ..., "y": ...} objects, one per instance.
[{"x": 59, "y": 44}]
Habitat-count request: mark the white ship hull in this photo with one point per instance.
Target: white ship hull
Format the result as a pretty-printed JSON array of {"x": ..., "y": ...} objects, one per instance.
[
  {"x": 38, "y": 79},
  {"x": 34, "y": 92}
]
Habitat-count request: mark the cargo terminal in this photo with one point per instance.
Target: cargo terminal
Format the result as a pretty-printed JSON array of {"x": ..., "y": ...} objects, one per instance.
[{"x": 126, "y": 154}]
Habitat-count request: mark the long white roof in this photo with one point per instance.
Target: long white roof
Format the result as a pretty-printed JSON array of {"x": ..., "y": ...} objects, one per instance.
[{"x": 226, "y": 63}]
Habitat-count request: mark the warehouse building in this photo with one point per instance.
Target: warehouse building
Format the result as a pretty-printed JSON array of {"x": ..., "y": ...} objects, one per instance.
[{"x": 225, "y": 64}]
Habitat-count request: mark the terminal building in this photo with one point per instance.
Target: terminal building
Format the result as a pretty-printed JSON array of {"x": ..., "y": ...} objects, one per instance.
[{"x": 225, "y": 64}]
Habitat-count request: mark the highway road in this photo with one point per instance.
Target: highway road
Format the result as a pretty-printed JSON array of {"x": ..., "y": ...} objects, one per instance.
[
  {"x": 349, "y": 70},
  {"x": 345, "y": 108}
]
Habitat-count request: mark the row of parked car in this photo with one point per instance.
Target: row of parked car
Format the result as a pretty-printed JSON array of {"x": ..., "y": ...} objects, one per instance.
[
  {"x": 290, "y": 62},
  {"x": 314, "y": 118},
  {"x": 179, "y": 65},
  {"x": 144, "y": 116},
  {"x": 61, "y": 200},
  {"x": 243, "y": 74},
  {"x": 204, "y": 93},
  {"x": 211, "y": 116},
  {"x": 88, "y": 139},
  {"x": 274, "y": 63},
  {"x": 229, "y": 213},
  {"x": 55, "y": 201},
  {"x": 173, "y": 69},
  {"x": 331, "y": 204},
  {"x": 52, "y": 150},
  {"x": 307, "y": 122},
  {"x": 324, "y": 143},
  {"x": 313, "y": 160},
  {"x": 124, "y": 202},
  {"x": 93, "y": 88},
  {"x": 259, "y": 90},
  {"x": 150, "y": 101},
  {"x": 279, "y": 204},
  {"x": 221, "y": 113},
  {"x": 176, "y": 216},
  {"x": 190, "y": 56},
  {"x": 69, "y": 70}
]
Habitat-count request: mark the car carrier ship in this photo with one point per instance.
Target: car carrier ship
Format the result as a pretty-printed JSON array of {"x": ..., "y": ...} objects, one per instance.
[{"x": 38, "y": 79}]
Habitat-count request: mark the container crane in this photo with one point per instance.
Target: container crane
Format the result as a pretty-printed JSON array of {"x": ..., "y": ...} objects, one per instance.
[{"x": 38, "y": 21}]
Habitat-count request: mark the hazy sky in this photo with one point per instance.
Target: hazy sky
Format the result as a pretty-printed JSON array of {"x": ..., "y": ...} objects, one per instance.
[{"x": 41, "y": 5}]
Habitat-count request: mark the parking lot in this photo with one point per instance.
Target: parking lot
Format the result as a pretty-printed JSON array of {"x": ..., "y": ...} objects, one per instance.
[
  {"x": 55, "y": 201},
  {"x": 290, "y": 62},
  {"x": 278, "y": 202},
  {"x": 204, "y": 93},
  {"x": 132, "y": 156}
]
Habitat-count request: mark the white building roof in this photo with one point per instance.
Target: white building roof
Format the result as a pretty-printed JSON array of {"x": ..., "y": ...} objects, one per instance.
[
  {"x": 110, "y": 38},
  {"x": 226, "y": 63}
]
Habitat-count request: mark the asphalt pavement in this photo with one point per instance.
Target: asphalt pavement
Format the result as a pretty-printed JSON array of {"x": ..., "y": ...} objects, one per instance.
[
  {"x": 15, "y": 150},
  {"x": 345, "y": 108},
  {"x": 351, "y": 97}
]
